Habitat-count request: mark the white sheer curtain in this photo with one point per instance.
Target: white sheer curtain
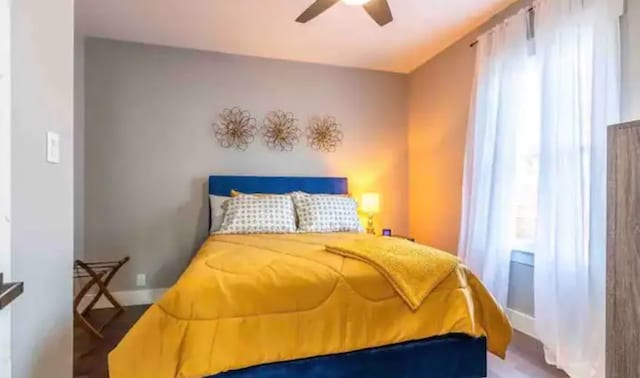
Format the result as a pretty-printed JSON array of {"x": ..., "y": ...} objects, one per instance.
[
  {"x": 578, "y": 53},
  {"x": 488, "y": 198},
  {"x": 576, "y": 72}
]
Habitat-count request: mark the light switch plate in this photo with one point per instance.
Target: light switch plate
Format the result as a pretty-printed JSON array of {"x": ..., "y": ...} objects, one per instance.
[
  {"x": 141, "y": 280},
  {"x": 53, "y": 147}
]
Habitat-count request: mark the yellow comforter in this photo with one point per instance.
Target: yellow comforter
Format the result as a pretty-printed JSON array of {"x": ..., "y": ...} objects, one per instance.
[
  {"x": 414, "y": 270},
  {"x": 252, "y": 299}
]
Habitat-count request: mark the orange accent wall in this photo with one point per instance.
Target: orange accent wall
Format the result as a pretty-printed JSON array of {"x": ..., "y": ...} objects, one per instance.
[{"x": 438, "y": 107}]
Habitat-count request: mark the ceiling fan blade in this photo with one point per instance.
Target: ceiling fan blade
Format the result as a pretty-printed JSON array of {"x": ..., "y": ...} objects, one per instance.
[
  {"x": 315, "y": 9},
  {"x": 379, "y": 10}
]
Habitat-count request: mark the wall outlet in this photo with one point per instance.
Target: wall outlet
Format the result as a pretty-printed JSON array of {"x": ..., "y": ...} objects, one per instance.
[
  {"x": 53, "y": 147},
  {"x": 141, "y": 280}
]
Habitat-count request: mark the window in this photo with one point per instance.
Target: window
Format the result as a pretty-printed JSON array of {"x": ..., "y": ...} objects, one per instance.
[{"x": 527, "y": 162}]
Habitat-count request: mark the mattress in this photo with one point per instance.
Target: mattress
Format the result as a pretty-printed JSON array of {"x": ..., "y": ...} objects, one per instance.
[{"x": 250, "y": 300}]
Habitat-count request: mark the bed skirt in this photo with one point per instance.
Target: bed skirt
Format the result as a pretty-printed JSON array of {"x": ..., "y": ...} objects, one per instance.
[{"x": 450, "y": 356}]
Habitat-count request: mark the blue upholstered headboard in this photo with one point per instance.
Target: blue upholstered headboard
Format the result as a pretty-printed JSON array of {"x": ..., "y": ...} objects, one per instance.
[{"x": 222, "y": 185}]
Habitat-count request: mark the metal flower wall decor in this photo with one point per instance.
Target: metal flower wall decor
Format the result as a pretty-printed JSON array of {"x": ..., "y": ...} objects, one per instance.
[
  {"x": 324, "y": 134},
  {"x": 236, "y": 128},
  {"x": 280, "y": 131}
]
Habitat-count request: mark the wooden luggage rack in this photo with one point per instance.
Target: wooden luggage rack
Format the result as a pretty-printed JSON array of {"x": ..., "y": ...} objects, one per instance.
[{"x": 100, "y": 275}]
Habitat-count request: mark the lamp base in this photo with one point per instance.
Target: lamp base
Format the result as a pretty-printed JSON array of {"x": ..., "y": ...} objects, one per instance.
[{"x": 370, "y": 229}]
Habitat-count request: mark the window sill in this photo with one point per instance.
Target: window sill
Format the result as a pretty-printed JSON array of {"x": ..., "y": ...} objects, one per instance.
[{"x": 522, "y": 257}]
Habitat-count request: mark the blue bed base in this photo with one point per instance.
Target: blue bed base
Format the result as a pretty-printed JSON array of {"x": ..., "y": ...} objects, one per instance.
[{"x": 449, "y": 356}]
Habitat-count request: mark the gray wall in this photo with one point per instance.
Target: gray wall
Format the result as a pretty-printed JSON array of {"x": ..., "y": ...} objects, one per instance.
[
  {"x": 149, "y": 144},
  {"x": 78, "y": 149},
  {"x": 631, "y": 61},
  {"x": 521, "y": 283},
  {"x": 5, "y": 178},
  {"x": 42, "y": 193}
]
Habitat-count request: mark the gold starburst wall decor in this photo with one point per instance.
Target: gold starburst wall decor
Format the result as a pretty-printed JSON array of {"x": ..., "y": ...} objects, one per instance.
[
  {"x": 324, "y": 134},
  {"x": 280, "y": 131},
  {"x": 236, "y": 128}
]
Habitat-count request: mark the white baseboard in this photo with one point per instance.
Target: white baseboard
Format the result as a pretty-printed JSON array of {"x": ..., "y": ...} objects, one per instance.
[
  {"x": 522, "y": 322},
  {"x": 126, "y": 298}
]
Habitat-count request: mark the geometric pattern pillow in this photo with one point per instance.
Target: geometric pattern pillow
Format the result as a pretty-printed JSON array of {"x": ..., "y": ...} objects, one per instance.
[
  {"x": 270, "y": 214},
  {"x": 327, "y": 213}
]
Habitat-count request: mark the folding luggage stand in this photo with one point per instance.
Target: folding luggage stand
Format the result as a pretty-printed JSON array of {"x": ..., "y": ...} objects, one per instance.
[{"x": 100, "y": 274}]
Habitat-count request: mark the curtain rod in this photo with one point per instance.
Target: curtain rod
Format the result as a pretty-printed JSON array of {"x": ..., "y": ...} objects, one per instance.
[{"x": 529, "y": 10}]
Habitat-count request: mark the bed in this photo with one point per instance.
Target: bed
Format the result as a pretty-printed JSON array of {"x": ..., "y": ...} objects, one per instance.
[{"x": 280, "y": 306}]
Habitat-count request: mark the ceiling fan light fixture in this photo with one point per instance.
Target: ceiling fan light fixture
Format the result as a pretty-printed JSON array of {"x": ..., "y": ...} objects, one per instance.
[
  {"x": 355, "y": 2},
  {"x": 379, "y": 10}
]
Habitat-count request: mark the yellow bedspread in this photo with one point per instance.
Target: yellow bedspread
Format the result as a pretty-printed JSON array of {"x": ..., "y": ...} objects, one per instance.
[
  {"x": 414, "y": 270},
  {"x": 251, "y": 299}
]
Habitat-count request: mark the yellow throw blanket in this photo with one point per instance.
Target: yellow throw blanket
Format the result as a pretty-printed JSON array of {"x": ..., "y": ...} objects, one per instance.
[
  {"x": 413, "y": 270},
  {"x": 246, "y": 300}
]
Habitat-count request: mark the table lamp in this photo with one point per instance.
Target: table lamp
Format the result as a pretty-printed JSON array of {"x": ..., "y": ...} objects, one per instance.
[{"x": 371, "y": 206}]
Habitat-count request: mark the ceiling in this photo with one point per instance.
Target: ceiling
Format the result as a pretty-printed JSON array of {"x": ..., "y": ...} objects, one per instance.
[{"x": 344, "y": 35}]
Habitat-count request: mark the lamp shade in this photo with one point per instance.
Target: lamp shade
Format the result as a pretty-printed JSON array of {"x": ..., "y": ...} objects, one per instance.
[{"x": 370, "y": 203}]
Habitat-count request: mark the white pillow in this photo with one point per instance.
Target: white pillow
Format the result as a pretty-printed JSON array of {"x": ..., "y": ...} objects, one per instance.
[
  {"x": 269, "y": 214},
  {"x": 216, "y": 204},
  {"x": 327, "y": 213}
]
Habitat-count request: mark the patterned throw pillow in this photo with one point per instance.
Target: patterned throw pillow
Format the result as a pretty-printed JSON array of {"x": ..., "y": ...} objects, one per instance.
[
  {"x": 273, "y": 214},
  {"x": 327, "y": 213}
]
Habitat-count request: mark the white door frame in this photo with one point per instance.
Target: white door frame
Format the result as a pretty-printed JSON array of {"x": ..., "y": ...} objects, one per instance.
[{"x": 5, "y": 179}]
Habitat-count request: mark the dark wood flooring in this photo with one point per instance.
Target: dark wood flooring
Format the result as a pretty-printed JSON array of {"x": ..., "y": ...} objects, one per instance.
[{"x": 524, "y": 359}]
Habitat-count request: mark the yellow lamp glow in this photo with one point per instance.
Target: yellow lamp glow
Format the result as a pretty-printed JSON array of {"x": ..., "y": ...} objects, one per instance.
[{"x": 370, "y": 205}]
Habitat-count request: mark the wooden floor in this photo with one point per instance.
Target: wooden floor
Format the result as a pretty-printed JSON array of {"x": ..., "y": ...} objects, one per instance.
[{"x": 524, "y": 359}]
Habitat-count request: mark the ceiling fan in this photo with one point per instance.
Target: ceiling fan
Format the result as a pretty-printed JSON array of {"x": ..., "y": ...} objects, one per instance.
[{"x": 378, "y": 10}]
